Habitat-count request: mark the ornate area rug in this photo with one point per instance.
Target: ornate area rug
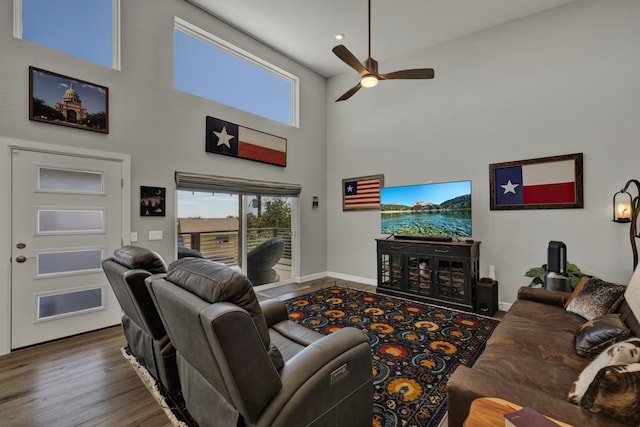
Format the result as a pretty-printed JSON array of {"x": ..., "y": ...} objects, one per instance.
[
  {"x": 415, "y": 347},
  {"x": 173, "y": 414}
]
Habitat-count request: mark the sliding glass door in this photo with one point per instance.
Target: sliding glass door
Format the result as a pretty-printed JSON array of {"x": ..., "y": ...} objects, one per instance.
[
  {"x": 252, "y": 233},
  {"x": 268, "y": 238}
]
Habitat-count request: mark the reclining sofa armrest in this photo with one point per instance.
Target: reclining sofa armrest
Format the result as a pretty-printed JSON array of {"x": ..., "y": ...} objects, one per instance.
[
  {"x": 274, "y": 311},
  {"x": 242, "y": 358},
  {"x": 467, "y": 384},
  {"x": 334, "y": 370},
  {"x": 543, "y": 296}
]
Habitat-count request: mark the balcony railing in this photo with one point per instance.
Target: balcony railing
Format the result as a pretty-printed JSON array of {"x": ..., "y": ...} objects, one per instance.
[{"x": 223, "y": 246}]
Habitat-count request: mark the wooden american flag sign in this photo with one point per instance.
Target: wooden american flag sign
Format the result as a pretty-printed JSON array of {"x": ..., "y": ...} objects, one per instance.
[{"x": 362, "y": 193}]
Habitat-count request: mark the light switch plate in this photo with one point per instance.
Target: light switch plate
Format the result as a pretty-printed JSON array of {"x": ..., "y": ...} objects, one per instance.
[
  {"x": 134, "y": 236},
  {"x": 155, "y": 235}
]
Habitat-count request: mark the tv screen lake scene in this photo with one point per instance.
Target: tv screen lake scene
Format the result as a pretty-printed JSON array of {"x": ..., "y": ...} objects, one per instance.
[{"x": 438, "y": 209}]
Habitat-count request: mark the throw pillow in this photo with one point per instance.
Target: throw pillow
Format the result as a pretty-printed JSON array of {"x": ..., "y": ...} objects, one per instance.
[
  {"x": 575, "y": 291},
  {"x": 621, "y": 353},
  {"x": 595, "y": 298},
  {"x": 597, "y": 334},
  {"x": 615, "y": 392}
]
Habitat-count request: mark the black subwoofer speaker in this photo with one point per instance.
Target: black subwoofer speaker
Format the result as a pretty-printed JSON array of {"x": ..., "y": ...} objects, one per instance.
[
  {"x": 557, "y": 257},
  {"x": 556, "y": 278},
  {"x": 487, "y": 297}
]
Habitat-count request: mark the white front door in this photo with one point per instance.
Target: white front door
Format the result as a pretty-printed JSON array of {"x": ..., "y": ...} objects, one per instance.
[{"x": 66, "y": 217}]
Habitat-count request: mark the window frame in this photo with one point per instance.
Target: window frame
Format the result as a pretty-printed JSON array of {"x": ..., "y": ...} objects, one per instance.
[
  {"x": 115, "y": 33},
  {"x": 219, "y": 43}
]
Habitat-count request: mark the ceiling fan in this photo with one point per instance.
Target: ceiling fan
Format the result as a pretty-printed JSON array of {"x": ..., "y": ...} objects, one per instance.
[{"x": 368, "y": 71}]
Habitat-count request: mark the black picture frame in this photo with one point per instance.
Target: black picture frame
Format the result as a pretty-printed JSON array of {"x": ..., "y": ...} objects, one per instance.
[
  {"x": 67, "y": 101},
  {"x": 152, "y": 201}
]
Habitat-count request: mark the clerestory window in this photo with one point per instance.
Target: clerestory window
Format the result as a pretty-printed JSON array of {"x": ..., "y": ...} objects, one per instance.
[
  {"x": 86, "y": 29},
  {"x": 207, "y": 66}
]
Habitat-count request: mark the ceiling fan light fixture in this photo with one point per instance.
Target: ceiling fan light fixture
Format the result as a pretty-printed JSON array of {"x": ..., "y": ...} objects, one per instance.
[{"x": 369, "y": 80}]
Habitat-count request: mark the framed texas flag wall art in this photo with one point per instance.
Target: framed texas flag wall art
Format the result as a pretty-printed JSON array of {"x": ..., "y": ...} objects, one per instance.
[
  {"x": 363, "y": 193},
  {"x": 234, "y": 140},
  {"x": 544, "y": 183}
]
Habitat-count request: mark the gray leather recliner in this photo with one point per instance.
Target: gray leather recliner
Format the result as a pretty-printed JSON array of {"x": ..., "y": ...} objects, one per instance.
[
  {"x": 244, "y": 363},
  {"x": 146, "y": 336}
]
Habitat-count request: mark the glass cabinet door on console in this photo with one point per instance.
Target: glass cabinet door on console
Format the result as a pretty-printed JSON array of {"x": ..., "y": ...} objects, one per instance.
[
  {"x": 391, "y": 270},
  {"x": 420, "y": 274},
  {"x": 451, "y": 278},
  {"x": 392, "y": 264}
]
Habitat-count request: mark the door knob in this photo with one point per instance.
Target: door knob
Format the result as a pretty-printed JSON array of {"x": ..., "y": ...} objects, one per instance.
[{"x": 21, "y": 258}]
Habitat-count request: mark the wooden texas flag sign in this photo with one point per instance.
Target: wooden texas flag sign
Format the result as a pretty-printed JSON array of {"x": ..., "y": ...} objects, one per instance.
[
  {"x": 238, "y": 141},
  {"x": 544, "y": 183}
]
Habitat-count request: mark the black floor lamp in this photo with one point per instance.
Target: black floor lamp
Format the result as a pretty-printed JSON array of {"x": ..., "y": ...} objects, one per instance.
[{"x": 625, "y": 210}]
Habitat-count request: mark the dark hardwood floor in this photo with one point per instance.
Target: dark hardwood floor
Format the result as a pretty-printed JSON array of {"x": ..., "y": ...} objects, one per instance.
[
  {"x": 78, "y": 381},
  {"x": 85, "y": 381}
]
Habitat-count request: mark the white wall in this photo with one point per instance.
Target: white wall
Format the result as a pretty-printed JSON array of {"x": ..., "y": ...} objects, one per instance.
[
  {"x": 559, "y": 82},
  {"x": 163, "y": 129}
]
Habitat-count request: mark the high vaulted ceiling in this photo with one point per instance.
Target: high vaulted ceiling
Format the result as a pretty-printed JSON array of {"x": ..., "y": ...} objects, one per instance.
[{"x": 305, "y": 30}]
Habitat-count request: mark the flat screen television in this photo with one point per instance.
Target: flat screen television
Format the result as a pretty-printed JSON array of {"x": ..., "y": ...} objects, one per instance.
[{"x": 436, "y": 210}]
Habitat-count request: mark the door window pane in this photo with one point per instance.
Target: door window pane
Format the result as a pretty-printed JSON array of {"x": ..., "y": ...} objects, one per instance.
[
  {"x": 69, "y": 261},
  {"x": 56, "y": 305},
  {"x": 70, "y": 221},
  {"x": 70, "y": 180}
]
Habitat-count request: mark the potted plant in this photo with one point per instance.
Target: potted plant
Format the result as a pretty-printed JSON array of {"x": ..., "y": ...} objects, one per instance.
[{"x": 537, "y": 274}]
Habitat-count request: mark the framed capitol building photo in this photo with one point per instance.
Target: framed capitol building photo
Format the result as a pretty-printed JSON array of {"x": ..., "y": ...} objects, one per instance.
[{"x": 67, "y": 101}]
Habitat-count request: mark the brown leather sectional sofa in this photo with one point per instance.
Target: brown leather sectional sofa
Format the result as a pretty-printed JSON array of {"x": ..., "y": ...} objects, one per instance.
[{"x": 531, "y": 360}]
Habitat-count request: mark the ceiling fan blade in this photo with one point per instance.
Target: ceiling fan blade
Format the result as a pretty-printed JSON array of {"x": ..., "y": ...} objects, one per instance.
[
  {"x": 417, "y": 73},
  {"x": 348, "y": 58},
  {"x": 348, "y": 94}
]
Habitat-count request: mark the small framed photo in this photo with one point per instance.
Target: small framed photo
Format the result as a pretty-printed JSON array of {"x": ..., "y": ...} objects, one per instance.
[
  {"x": 152, "y": 201},
  {"x": 543, "y": 183},
  {"x": 67, "y": 101}
]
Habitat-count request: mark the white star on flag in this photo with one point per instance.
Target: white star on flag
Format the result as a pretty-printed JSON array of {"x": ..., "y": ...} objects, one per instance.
[
  {"x": 224, "y": 137},
  {"x": 349, "y": 188},
  {"x": 509, "y": 187}
]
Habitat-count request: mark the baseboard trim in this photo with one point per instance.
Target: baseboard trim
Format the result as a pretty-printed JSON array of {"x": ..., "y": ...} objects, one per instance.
[
  {"x": 372, "y": 282},
  {"x": 310, "y": 277},
  {"x": 504, "y": 306}
]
